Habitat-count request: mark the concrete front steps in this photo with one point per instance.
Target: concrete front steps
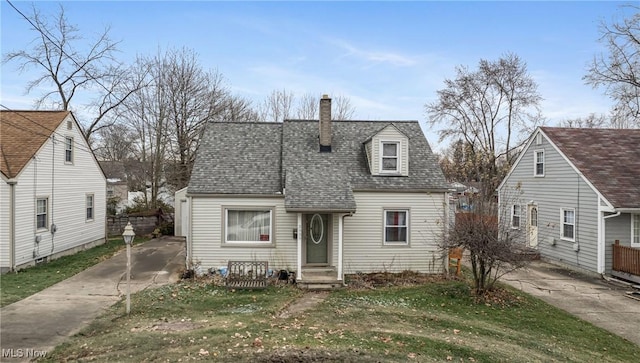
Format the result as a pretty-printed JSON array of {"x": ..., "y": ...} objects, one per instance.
[{"x": 319, "y": 279}]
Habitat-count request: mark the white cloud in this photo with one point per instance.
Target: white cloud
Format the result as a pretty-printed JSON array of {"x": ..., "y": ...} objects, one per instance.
[{"x": 392, "y": 58}]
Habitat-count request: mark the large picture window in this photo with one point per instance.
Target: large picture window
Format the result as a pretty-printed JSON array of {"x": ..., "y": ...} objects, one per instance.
[
  {"x": 248, "y": 226},
  {"x": 568, "y": 225},
  {"x": 42, "y": 219},
  {"x": 396, "y": 227}
]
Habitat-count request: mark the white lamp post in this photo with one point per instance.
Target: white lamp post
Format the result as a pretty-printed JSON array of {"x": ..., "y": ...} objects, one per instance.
[{"x": 128, "y": 236}]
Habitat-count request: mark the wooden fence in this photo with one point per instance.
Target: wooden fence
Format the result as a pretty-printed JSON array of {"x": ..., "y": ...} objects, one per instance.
[{"x": 626, "y": 259}]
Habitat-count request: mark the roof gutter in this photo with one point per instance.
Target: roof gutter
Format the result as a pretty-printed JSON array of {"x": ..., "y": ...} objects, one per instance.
[
  {"x": 417, "y": 190},
  {"x": 626, "y": 210},
  {"x": 320, "y": 210}
]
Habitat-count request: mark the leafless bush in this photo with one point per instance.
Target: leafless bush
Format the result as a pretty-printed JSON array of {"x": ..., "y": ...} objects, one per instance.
[{"x": 485, "y": 233}]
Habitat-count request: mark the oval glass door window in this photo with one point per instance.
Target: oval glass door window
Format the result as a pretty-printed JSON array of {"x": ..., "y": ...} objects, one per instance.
[{"x": 316, "y": 229}]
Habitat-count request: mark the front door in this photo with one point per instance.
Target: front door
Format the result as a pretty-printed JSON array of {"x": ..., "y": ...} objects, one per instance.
[
  {"x": 533, "y": 225},
  {"x": 317, "y": 237}
]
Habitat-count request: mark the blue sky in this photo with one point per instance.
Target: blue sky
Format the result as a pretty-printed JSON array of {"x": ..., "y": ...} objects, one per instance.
[{"x": 389, "y": 58}]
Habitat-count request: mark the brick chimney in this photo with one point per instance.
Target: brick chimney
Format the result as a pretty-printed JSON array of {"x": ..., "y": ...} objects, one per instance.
[{"x": 325, "y": 124}]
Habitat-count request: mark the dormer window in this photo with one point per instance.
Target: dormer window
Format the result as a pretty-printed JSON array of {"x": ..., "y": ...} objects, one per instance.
[
  {"x": 387, "y": 152},
  {"x": 390, "y": 157}
]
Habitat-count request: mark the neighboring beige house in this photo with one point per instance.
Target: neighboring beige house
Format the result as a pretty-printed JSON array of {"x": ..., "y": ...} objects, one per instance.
[
  {"x": 52, "y": 190},
  {"x": 316, "y": 197}
]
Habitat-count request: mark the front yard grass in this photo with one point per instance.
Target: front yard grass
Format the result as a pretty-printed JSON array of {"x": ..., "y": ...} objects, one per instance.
[
  {"x": 26, "y": 282},
  {"x": 437, "y": 321}
]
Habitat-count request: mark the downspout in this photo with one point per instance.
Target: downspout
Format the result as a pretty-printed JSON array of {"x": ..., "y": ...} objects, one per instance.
[
  {"x": 601, "y": 256},
  {"x": 445, "y": 230},
  {"x": 299, "y": 257},
  {"x": 53, "y": 228},
  {"x": 340, "y": 245},
  {"x": 12, "y": 223},
  {"x": 189, "y": 246}
]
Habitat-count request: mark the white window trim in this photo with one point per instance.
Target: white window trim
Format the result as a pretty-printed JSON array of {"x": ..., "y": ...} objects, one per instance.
[
  {"x": 633, "y": 236},
  {"x": 513, "y": 214},
  {"x": 93, "y": 207},
  {"x": 562, "y": 210},
  {"x": 66, "y": 138},
  {"x": 535, "y": 163},
  {"x": 398, "y": 157},
  {"x": 269, "y": 243},
  {"x": 46, "y": 223},
  {"x": 384, "y": 226}
]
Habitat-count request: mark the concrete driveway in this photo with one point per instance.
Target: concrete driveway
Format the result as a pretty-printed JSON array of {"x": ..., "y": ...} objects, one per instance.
[
  {"x": 35, "y": 325},
  {"x": 603, "y": 303}
]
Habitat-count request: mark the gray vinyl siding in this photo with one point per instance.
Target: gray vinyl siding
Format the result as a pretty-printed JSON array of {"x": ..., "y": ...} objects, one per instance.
[
  {"x": 561, "y": 187},
  {"x": 364, "y": 250},
  {"x": 206, "y": 238},
  {"x": 616, "y": 228}
]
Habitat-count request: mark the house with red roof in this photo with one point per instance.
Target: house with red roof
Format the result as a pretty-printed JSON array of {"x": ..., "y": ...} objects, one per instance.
[
  {"x": 578, "y": 198},
  {"x": 52, "y": 190}
]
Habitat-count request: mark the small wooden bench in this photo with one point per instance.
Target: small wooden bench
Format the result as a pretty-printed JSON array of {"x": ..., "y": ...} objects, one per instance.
[{"x": 247, "y": 274}]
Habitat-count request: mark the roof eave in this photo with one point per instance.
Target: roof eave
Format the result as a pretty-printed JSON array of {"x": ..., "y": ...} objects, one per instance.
[
  {"x": 628, "y": 210},
  {"x": 321, "y": 210},
  {"x": 233, "y": 195},
  {"x": 397, "y": 190}
]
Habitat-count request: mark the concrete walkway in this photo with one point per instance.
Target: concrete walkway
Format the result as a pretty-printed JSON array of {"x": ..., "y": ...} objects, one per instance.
[
  {"x": 40, "y": 322},
  {"x": 600, "y": 302}
]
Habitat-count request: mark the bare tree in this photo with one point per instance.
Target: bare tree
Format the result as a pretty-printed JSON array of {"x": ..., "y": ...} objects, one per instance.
[
  {"x": 591, "y": 121},
  {"x": 277, "y": 107},
  {"x": 148, "y": 114},
  {"x": 114, "y": 143},
  {"x": 491, "y": 109},
  {"x": 236, "y": 109},
  {"x": 619, "y": 70},
  {"x": 193, "y": 96},
  {"x": 72, "y": 65},
  {"x": 168, "y": 115},
  {"x": 308, "y": 107},
  {"x": 341, "y": 108},
  {"x": 494, "y": 248}
]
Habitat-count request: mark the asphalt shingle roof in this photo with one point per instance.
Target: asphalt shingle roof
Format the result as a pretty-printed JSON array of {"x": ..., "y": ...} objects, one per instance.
[
  {"x": 263, "y": 158},
  {"x": 22, "y": 133},
  {"x": 238, "y": 158},
  {"x": 608, "y": 158}
]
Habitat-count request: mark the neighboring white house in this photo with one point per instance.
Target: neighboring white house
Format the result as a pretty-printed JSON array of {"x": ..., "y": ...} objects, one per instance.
[
  {"x": 579, "y": 192},
  {"x": 52, "y": 192},
  {"x": 331, "y": 197}
]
